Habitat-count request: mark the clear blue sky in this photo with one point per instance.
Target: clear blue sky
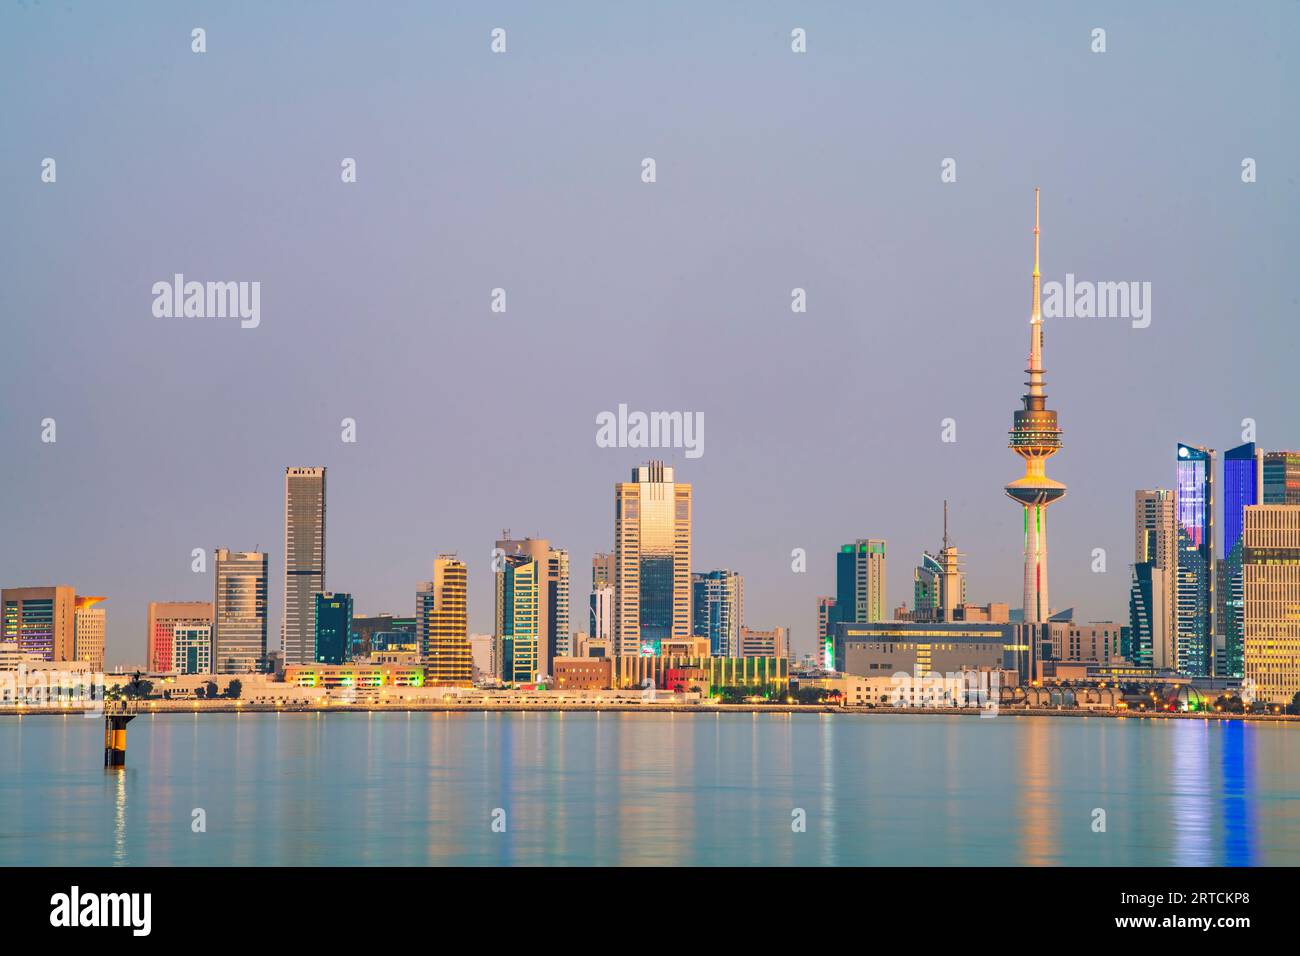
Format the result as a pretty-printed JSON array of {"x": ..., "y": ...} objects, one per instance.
[{"x": 522, "y": 171}]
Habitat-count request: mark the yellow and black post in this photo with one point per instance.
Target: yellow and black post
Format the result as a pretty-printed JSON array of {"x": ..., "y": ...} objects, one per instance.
[{"x": 115, "y": 738}]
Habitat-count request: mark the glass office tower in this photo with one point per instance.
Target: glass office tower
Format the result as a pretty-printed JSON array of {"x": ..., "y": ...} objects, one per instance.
[
  {"x": 718, "y": 606},
  {"x": 1243, "y": 477},
  {"x": 1194, "y": 645}
]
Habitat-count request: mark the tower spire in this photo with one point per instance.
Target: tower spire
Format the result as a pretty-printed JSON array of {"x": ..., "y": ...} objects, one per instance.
[
  {"x": 1035, "y": 370},
  {"x": 945, "y": 524}
]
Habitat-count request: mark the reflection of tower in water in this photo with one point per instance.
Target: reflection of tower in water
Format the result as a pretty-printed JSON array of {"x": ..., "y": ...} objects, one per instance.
[{"x": 1037, "y": 800}]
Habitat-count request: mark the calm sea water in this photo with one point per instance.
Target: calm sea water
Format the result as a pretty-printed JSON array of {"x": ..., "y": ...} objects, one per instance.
[{"x": 659, "y": 789}]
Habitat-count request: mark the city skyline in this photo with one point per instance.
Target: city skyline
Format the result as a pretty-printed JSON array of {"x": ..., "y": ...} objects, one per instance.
[{"x": 914, "y": 292}]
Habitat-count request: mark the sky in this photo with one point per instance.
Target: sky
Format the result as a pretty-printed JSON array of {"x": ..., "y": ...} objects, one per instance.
[{"x": 522, "y": 170}]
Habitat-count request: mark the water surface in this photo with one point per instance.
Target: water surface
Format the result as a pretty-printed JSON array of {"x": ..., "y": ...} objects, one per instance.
[{"x": 657, "y": 789}]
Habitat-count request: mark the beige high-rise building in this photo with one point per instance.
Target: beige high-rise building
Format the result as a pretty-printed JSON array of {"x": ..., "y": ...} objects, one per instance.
[
  {"x": 652, "y": 559},
  {"x": 1155, "y": 533},
  {"x": 442, "y": 624},
  {"x": 89, "y": 628},
  {"x": 1271, "y": 594},
  {"x": 239, "y": 612},
  {"x": 304, "y": 561},
  {"x": 164, "y": 618},
  {"x": 40, "y": 620}
]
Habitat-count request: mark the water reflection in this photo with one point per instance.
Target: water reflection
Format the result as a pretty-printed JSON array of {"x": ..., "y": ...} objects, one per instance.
[
  {"x": 1038, "y": 793},
  {"x": 118, "y": 778},
  {"x": 1237, "y": 769},
  {"x": 1191, "y": 813}
]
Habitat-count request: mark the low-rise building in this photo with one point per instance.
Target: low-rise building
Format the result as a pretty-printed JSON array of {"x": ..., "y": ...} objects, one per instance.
[
  {"x": 585, "y": 673},
  {"x": 756, "y": 672}
]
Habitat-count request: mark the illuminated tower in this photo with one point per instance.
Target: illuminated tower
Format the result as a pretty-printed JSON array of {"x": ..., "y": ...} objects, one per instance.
[{"x": 1035, "y": 437}]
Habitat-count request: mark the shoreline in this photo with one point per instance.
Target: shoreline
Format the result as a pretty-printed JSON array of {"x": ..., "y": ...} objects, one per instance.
[{"x": 233, "y": 707}]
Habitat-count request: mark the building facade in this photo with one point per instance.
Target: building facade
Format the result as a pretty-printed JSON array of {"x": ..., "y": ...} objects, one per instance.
[
  {"x": 860, "y": 582},
  {"x": 1281, "y": 478},
  {"x": 41, "y": 621},
  {"x": 1243, "y": 486},
  {"x": 442, "y": 624},
  {"x": 1148, "y": 604},
  {"x": 760, "y": 673},
  {"x": 332, "y": 623},
  {"x": 718, "y": 608},
  {"x": 163, "y": 619},
  {"x": 825, "y": 642},
  {"x": 922, "y": 648},
  {"x": 89, "y": 628},
  {"x": 519, "y": 615},
  {"x": 652, "y": 559},
  {"x": 239, "y": 612},
  {"x": 304, "y": 560},
  {"x": 552, "y": 599},
  {"x": 1195, "y": 585},
  {"x": 191, "y": 648},
  {"x": 1271, "y": 607},
  {"x": 382, "y": 632},
  {"x": 774, "y": 642},
  {"x": 1155, "y": 532}
]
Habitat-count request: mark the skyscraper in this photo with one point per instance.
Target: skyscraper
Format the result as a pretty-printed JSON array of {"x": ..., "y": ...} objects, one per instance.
[
  {"x": 333, "y": 625},
  {"x": 1035, "y": 437},
  {"x": 860, "y": 582},
  {"x": 718, "y": 606},
  {"x": 557, "y": 605},
  {"x": 1271, "y": 610},
  {"x": 442, "y": 624},
  {"x": 88, "y": 632},
  {"x": 519, "y": 617},
  {"x": 239, "y": 611},
  {"x": 40, "y": 620},
  {"x": 1195, "y": 590},
  {"x": 1155, "y": 534},
  {"x": 552, "y": 577},
  {"x": 163, "y": 619},
  {"x": 1281, "y": 478},
  {"x": 825, "y": 637},
  {"x": 304, "y": 560},
  {"x": 652, "y": 558},
  {"x": 1148, "y": 606},
  {"x": 1243, "y": 486}
]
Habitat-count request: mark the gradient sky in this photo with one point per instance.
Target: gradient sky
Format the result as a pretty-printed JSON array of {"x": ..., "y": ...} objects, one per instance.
[{"x": 522, "y": 170}]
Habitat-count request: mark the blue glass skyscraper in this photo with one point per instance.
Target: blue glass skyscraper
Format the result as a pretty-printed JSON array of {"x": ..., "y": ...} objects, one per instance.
[{"x": 1243, "y": 477}]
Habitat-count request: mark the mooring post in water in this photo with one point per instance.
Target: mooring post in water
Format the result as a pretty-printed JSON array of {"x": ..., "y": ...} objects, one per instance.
[{"x": 115, "y": 737}]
